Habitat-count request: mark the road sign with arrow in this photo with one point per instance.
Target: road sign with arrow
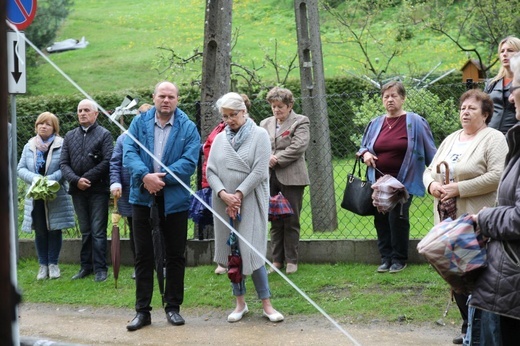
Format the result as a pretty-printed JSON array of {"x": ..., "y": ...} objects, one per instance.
[{"x": 16, "y": 74}]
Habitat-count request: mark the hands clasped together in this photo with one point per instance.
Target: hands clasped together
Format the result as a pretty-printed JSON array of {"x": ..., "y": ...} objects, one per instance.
[
  {"x": 233, "y": 202},
  {"x": 153, "y": 182},
  {"x": 444, "y": 192}
]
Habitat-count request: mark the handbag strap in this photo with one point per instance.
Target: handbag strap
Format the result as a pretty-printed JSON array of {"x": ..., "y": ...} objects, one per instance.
[{"x": 357, "y": 164}]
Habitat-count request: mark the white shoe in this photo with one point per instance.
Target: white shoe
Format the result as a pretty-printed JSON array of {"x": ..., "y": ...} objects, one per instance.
[
  {"x": 43, "y": 273},
  {"x": 291, "y": 268},
  {"x": 237, "y": 316},
  {"x": 54, "y": 271},
  {"x": 220, "y": 270},
  {"x": 274, "y": 317}
]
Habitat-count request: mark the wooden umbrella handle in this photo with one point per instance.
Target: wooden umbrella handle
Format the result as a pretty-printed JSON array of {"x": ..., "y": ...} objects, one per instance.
[{"x": 446, "y": 171}]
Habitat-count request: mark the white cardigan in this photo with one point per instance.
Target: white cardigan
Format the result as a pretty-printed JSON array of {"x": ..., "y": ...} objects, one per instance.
[
  {"x": 477, "y": 172},
  {"x": 246, "y": 170}
]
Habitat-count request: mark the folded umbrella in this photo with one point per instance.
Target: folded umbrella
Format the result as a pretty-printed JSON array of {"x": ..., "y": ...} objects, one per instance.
[
  {"x": 388, "y": 192},
  {"x": 158, "y": 246},
  {"x": 447, "y": 208},
  {"x": 234, "y": 258},
  {"x": 115, "y": 245}
]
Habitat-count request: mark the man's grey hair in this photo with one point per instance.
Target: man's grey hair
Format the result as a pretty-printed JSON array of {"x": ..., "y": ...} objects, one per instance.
[{"x": 92, "y": 103}]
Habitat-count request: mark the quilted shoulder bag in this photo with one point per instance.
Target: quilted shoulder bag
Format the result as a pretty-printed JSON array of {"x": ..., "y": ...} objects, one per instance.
[{"x": 456, "y": 251}]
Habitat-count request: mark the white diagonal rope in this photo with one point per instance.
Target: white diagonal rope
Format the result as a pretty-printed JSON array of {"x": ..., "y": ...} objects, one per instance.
[{"x": 188, "y": 188}]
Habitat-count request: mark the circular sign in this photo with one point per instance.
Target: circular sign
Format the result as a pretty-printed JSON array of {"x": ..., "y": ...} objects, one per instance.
[{"x": 21, "y": 12}]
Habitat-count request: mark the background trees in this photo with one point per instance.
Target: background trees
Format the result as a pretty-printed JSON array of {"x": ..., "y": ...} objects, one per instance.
[
  {"x": 50, "y": 15},
  {"x": 474, "y": 26}
]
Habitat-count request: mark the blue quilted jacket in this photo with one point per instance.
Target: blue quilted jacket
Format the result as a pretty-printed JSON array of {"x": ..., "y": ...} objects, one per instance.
[{"x": 181, "y": 155}]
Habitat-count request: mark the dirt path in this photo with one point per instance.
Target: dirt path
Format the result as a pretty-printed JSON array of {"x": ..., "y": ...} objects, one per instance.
[{"x": 106, "y": 326}]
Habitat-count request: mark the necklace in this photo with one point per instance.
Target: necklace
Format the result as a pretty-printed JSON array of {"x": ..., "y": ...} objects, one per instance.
[{"x": 393, "y": 123}]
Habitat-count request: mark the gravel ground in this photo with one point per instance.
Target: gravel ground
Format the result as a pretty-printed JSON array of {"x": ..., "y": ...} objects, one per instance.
[{"x": 66, "y": 324}]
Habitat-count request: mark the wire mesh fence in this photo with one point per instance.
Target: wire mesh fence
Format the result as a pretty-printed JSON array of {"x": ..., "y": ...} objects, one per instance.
[{"x": 348, "y": 115}]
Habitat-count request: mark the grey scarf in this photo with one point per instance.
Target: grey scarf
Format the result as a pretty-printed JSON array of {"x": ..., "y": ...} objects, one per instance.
[{"x": 237, "y": 138}]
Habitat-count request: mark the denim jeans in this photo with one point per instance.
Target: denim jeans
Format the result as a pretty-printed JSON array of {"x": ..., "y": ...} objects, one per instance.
[
  {"x": 260, "y": 281},
  {"x": 92, "y": 213},
  {"x": 393, "y": 233},
  {"x": 48, "y": 242},
  {"x": 483, "y": 328}
]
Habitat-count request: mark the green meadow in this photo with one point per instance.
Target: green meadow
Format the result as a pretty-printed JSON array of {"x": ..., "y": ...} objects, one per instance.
[{"x": 130, "y": 42}]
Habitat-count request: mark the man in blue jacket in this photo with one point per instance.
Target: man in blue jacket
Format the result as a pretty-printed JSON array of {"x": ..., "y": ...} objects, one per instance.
[{"x": 167, "y": 133}]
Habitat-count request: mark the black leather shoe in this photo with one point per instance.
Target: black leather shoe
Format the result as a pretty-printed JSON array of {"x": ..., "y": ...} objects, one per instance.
[
  {"x": 384, "y": 267},
  {"x": 397, "y": 267},
  {"x": 140, "y": 320},
  {"x": 83, "y": 273},
  {"x": 100, "y": 276},
  {"x": 175, "y": 318},
  {"x": 458, "y": 340}
]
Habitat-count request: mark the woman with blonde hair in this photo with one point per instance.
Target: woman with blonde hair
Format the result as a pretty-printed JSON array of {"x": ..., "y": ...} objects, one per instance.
[
  {"x": 499, "y": 86},
  {"x": 41, "y": 157}
]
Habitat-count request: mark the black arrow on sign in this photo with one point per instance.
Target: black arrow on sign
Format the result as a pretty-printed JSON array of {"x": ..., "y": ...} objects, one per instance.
[{"x": 16, "y": 74}]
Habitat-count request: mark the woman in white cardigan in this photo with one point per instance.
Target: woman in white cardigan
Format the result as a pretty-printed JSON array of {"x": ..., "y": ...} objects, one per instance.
[
  {"x": 476, "y": 157},
  {"x": 238, "y": 173}
]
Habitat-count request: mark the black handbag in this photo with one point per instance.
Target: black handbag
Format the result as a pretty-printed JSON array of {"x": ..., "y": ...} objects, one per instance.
[{"x": 357, "y": 197}]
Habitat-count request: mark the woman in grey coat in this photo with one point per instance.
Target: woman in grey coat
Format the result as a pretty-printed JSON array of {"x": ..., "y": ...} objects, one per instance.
[
  {"x": 238, "y": 173},
  {"x": 41, "y": 157}
]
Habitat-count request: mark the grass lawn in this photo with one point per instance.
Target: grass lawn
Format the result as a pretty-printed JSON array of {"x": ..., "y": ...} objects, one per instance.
[
  {"x": 126, "y": 36},
  {"x": 347, "y": 292}
]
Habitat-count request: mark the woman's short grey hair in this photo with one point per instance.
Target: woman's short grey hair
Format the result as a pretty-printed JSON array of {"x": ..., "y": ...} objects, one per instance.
[
  {"x": 232, "y": 101},
  {"x": 281, "y": 95}
]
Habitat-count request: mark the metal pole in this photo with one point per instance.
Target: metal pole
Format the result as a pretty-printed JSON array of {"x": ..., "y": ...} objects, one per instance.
[{"x": 7, "y": 303}]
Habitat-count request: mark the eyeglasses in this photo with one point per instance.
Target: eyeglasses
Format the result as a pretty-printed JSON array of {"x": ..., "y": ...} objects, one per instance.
[
  {"x": 233, "y": 115},
  {"x": 514, "y": 88}
]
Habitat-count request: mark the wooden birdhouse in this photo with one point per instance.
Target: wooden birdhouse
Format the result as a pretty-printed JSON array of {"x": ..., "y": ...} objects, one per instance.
[{"x": 472, "y": 70}]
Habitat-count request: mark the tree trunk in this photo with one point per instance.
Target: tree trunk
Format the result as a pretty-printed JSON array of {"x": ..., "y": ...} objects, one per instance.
[
  {"x": 319, "y": 158},
  {"x": 216, "y": 73},
  {"x": 216, "y": 61}
]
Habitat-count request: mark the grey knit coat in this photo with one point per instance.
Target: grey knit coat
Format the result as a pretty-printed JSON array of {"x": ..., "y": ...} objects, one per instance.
[{"x": 245, "y": 170}]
